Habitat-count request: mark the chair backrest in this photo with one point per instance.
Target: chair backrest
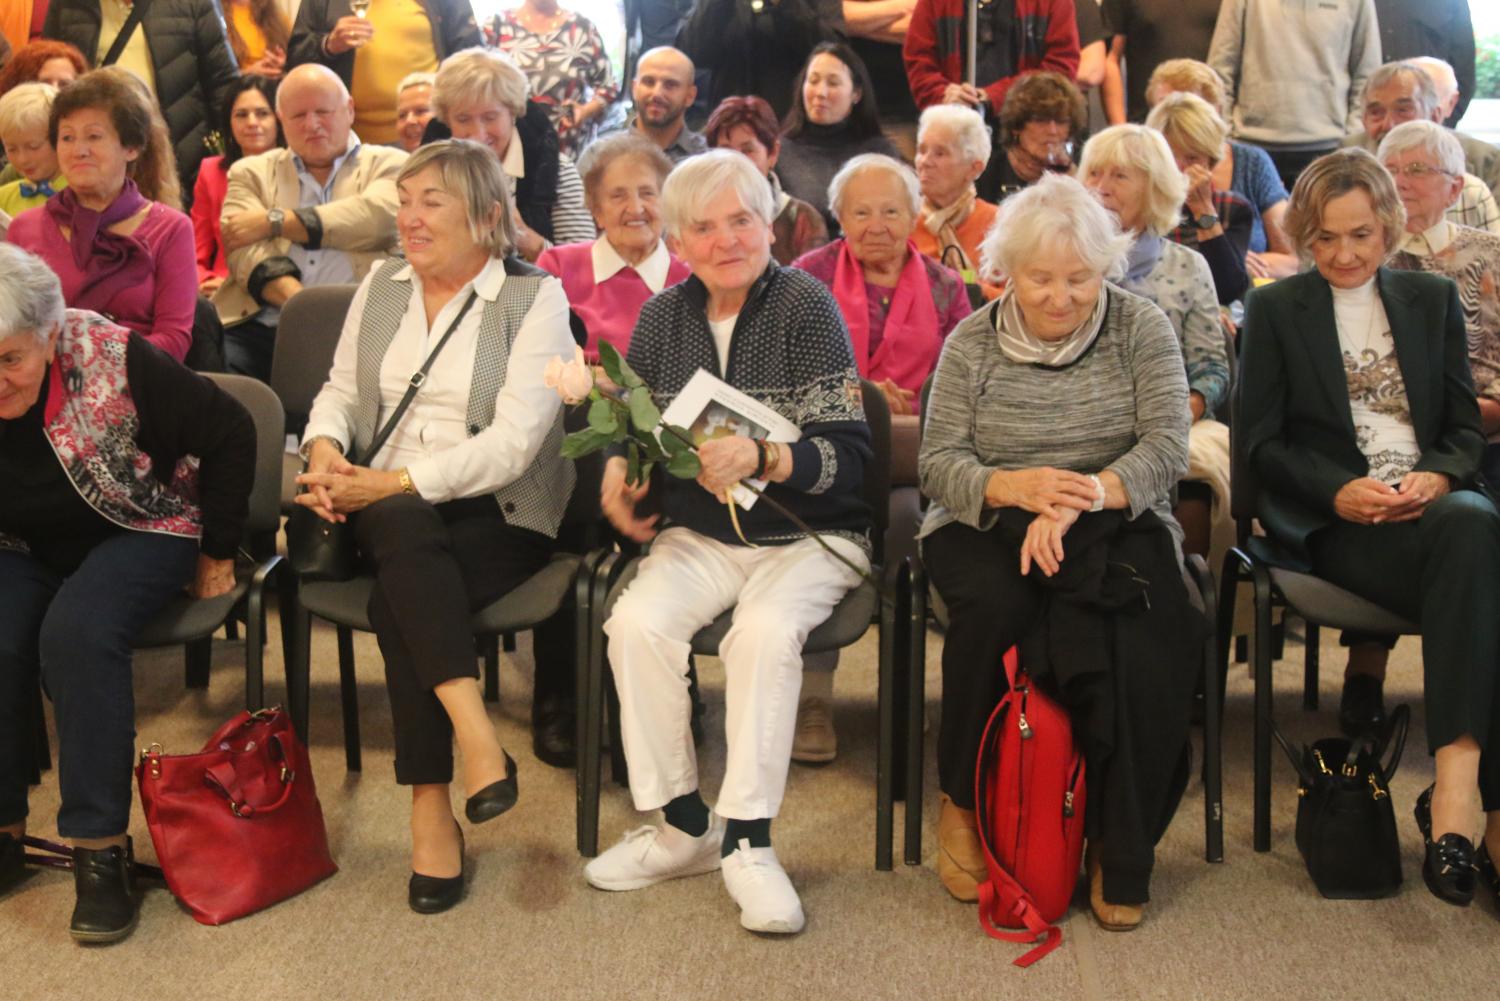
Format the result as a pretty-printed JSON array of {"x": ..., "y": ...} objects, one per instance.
[
  {"x": 306, "y": 336},
  {"x": 206, "y": 352},
  {"x": 270, "y": 439},
  {"x": 877, "y": 480}
]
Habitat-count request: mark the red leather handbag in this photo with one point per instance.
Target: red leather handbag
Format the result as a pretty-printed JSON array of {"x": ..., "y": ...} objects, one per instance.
[
  {"x": 1028, "y": 800},
  {"x": 237, "y": 827}
]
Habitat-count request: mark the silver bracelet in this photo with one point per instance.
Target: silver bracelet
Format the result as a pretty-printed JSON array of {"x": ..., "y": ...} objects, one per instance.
[
  {"x": 306, "y": 450},
  {"x": 1098, "y": 494}
]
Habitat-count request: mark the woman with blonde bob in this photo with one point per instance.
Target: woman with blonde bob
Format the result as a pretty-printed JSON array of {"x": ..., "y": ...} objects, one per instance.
[
  {"x": 1358, "y": 416},
  {"x": 1129, "y": 169},
  {"x": 463, "y": 502},
  {"x": 1056, "y": 428}
]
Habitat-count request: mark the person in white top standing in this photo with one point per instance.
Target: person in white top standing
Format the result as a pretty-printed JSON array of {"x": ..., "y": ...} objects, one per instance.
[{"x": 463, "y": 501}]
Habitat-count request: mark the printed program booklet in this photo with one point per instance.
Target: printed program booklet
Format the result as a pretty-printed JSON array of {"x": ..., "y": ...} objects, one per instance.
[{"x": 711, "y": 408}]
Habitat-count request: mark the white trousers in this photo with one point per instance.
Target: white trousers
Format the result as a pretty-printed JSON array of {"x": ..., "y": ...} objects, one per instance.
[{"x": 779, "y": 595}]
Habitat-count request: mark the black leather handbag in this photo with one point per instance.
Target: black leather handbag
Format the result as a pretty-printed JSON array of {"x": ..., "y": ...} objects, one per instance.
[
  {"x": 322, "y": 550},
  {"x": 1346, "y": 823}
]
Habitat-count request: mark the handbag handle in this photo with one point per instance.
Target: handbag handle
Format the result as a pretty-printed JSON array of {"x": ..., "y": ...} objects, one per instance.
[
  {"x": 1395, "y": 739},
  {"x": 222, "y": 779},
  {"x": 1293, "y": 756}
]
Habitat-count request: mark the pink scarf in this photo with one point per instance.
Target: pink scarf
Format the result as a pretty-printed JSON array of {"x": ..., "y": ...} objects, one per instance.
[{"x": 912, "y": 339}]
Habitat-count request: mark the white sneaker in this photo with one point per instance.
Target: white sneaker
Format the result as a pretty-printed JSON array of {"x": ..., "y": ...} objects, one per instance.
[
  {"x": 650, "y": 855},
  {"x": 758, "y": 883}
]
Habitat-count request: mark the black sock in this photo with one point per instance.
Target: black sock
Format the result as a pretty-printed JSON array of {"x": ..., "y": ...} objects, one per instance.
[
  {"x": 688, "y": 813},
  {"x": 757, "y": 832}
]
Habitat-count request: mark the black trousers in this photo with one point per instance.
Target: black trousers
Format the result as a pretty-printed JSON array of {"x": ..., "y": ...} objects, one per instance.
[
  {"x": 435, "y": 565},
  {"x": 1443, "y": 572}
]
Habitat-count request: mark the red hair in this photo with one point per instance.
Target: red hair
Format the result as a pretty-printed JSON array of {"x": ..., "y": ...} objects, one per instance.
[
  {"x": 752, "y": 112},
  {"x": 27, "y": 61}
]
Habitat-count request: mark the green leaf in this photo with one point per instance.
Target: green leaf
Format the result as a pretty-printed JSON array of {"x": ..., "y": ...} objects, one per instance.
[
  {"x": 646, "y": 469},
  {"x": 585, "y": 442},
  {"x": 602, "y": 417},
  {"x": 628, "y": 378},
  {"x": 684, "y": 465},
  {"x": 633, "y": 464},
  {"x": 643, "y": 412},
  {"x": 612, "y": 362},
  {"x": 651, "y": 448},
  {"x": 676, "y": 444}
]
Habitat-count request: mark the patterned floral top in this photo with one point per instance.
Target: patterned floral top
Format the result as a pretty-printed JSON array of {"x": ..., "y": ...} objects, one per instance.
[
  {"x": 1471, "y": 257},
  {"x": 566, "y": 66},
  {"x": 1377, "y": 389}
]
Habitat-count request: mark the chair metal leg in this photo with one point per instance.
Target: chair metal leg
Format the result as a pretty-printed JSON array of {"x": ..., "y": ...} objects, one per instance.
[
  {"x": 1261, "y": 646},
  {"x": 1310, "y": 668},
  {"x": 349, "y": 700},
  {"x": 491, "y": 646},
  {"x": 286, "y": 612},
  {"x": 591, "y": 701},
  {"x": 1213, "y": 802},
  {"x": 885, "y": 778},
  {"x": 231, "y": 628},
  {"x": 916, "y": 705},
  {"x": 299, "y": 668},
  {"x": 255, "y": 631},
  {"x": 197, "y": 657},
  {"x": 508, "y": 642}
]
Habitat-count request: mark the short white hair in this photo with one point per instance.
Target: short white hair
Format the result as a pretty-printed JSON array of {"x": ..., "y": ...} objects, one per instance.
[
  {"x": 1440, "y": 72},
  {"x": 1136, "y": 147},
  {"x": 415, "y": 80},
  {"x": 1429, "y": 137},
  {"x": 974, "y": 138},
  {"x": 867, "y": 163},
  {"x": 1057, "y": 207},
  {"x": 31, "y": 298},
  {"x": 695, "y": 181}
]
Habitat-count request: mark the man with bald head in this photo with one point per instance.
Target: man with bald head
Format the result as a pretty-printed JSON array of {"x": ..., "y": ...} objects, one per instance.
[
  {"x": 319, "y": 212},
  {"x": 663, "y": 90}
]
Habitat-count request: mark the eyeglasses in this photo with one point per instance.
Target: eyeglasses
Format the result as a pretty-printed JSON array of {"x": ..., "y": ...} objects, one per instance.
[{"x": 1417, "y": 171}]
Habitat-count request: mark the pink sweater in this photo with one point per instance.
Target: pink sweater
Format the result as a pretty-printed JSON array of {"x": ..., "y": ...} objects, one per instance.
[
  {"x": 161, "y": 310},
  {"x": 608, "y": 310}
]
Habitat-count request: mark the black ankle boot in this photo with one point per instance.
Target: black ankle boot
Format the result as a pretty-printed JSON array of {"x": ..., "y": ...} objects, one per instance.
[{"x": 106, "y": 910}]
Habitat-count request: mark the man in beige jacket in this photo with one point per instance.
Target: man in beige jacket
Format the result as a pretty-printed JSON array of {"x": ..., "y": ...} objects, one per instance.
[{"x": 319, "y": 212}]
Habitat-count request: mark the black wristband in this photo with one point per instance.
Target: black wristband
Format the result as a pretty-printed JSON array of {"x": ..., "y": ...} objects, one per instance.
[
  {"x": 308, "y": 217},
  {"x": 760, "y": 465}
]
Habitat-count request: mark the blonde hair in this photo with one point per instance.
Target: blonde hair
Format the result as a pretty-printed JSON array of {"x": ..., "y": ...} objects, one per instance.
[
  {"x": 1187, "y": 76},
  {"x": 1057, "y": 207},
  {"x": 479, "y": 76},
  {"x": 1190, "y": 124},
  {"x": 1135, "y": 147},
  {"x": 26, "y": 106},
  {"x": 470, "y": 173},
  {"x": 1333, "y": 176}
]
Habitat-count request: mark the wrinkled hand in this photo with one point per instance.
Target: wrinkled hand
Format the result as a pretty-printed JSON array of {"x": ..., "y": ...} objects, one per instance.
[
  {"x": 244, "y": 228},
  {"x": 1367, "y": 501},
  {"x": 1043, "y": 490},
  {"x": 1422, "y": 489},
  {"x": 352, "y": 491},
  {"x": 1043, "y": 543},
  {"x": 268, "y": 65},
  {"x": 349, "y": 32},
  {"x": 963, "y": 93},
  {"x": 212, "y": 578},
  {"x": 208, "y": 286},
  {"x": 725, "y": 461},
  {"x": 1200, "y": 196},
  {"x": 618, "y": 501},
  {"x": 903, "y": 402}
]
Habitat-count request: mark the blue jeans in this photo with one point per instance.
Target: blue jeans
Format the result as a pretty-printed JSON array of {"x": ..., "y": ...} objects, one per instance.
[{"x": 77, "y": 632}]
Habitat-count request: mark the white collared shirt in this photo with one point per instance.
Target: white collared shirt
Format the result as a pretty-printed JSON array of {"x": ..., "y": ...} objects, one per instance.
[
  {"x": 432, "y": 440},
  {"x": 1433, "y": 240},
  {"x": 653, "y": 270}
]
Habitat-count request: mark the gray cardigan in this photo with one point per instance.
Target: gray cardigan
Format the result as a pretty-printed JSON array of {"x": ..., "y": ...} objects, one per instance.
[{"x": 1122, "y": 406}]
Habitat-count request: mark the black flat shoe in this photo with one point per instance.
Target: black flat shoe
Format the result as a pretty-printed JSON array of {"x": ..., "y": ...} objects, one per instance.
[
  {"x": 436, "y": 894},
  {"x": 1423, "y": 813},
  {"x": 1484, "y": 866},
  {"x": 106, "y": 910},
  {"x": 1362, "y": 705},
  {"x": 1448, "y": 869},
  {"x": 12, "y": 861},
  {"x": 554, "y": 734},
  {"x": 495, "y": 798}
]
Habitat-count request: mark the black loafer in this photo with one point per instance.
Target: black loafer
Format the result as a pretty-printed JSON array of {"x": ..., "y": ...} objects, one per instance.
[
  {"x": 495, "y": 798},
  {"x": 1484, "y": 867},
  {"x": 435, "y": 894},
  {"x": 12, "y": 861},
  {"x": 1362, "y": 705},
  {"x": 554, "y": 735},
  {"x": 106, "y": 909},
  {"x": 1448, "y": 864}
]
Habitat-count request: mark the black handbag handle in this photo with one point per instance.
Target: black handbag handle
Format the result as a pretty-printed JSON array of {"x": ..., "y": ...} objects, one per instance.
[
  {"x": 1395, "y": 739},
  {"x": 1296, "y": 757}
]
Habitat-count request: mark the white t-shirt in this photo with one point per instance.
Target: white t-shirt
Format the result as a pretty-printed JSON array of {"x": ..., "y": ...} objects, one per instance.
[
  {"x": 723, "y": 330},
  {"x": 1377, "y": 390}
]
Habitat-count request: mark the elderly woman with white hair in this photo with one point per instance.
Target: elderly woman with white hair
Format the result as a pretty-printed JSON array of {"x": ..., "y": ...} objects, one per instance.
[
  {"x": 1129, "y": 168},
  {"x": 481, "y": 94},
  {"x": 124, "y": 478},
  {"x": 1056, "y": 428},
  {"x": 776, "y": 334},
  {"x": 455, "y": 495},
  {"x": 899, "y": 304},
  {"x": 953, "y": 148}
]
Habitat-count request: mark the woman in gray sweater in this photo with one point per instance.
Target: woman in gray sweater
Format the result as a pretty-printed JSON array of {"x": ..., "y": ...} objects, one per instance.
[{"x": 1057, "y": 425}]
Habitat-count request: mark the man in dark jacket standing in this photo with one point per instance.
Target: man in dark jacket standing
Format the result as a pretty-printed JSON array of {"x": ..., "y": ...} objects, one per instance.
[
  {"x": 373, "y": 53},
  {"x": 179, "y": 48}
]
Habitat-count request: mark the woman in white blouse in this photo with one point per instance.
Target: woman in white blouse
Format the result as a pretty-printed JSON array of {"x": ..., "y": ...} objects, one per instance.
[{"x": 463, "y": 501}]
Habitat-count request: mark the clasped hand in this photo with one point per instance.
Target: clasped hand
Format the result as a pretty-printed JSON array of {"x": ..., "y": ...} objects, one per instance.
[
  {"x": 1043, "y": 490},
  {"x": 1367, "y": 501},
  {"x": 336, "y": 487},
  {"x": 1043, "y": 544}
]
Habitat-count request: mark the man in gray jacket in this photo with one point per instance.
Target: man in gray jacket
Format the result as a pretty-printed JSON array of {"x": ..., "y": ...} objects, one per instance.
[{"x": 1295, "y": 71}]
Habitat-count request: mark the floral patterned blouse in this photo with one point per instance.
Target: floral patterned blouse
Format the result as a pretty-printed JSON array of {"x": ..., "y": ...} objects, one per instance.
[
  {"x": 1471, "y": 257},
  {"x": 567, "y": 65}
]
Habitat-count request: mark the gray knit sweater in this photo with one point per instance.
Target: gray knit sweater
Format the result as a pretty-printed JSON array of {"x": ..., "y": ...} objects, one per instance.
[{"x": 1122, "y": 406}]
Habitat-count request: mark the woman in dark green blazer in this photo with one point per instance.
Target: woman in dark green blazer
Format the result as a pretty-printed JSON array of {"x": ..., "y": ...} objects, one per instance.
[{"x": 1360, "y": 422}]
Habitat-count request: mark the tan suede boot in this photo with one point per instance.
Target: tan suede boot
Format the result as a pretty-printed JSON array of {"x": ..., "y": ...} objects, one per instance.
[
  {"x": 1111, "y": 917},
  {"x": 960, "y": 857}
]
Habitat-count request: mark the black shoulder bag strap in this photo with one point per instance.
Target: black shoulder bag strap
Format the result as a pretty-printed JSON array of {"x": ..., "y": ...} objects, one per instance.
[
  {"x": 418, "y": 377},
  {"x": 132, "y": 21}
]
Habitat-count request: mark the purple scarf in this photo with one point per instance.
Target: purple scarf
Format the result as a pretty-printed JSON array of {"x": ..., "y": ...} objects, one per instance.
[{"x": 112, "y": 262}]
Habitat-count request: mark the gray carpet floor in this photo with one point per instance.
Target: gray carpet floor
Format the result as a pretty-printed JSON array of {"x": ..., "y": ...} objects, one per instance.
[{"x": 1253, "y": 927}]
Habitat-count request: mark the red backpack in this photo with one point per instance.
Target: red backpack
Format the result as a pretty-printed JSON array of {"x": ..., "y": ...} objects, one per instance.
[{"x": 1028, "y": 801}]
